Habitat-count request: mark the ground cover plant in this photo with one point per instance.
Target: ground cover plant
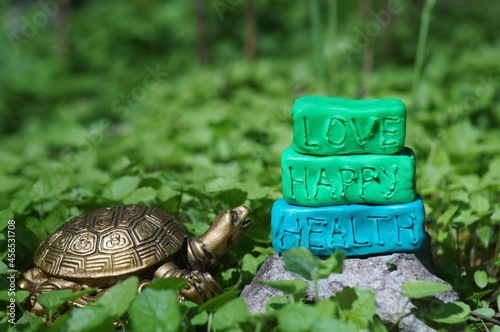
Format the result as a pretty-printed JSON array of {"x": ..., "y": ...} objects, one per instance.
[{"x": 143, "y": 108}]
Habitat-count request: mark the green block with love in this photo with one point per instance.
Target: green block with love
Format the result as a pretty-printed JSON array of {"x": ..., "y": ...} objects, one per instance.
[{"x": 327, "y": 126}]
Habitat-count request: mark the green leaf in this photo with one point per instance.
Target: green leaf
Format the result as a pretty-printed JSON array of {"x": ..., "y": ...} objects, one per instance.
[
  {"x": 155, "y": 310},
  {"x": 216, "y": 302},
  {"x": 377, "y": 325},
  {"x": 5, "y": 217},
  {"x": 121, "y": 188},
  {"x": 20, "y": 295},
  {"x": 120, "y": 164},
  {"x": 201, "y": 318},
  {"x": 478, "y": 295},
  {"x": 142, "y": 195},
  {"x": 56, "y": 298},
  {"x": 230, "y": 314},
  {"x": 48, "y": 186},
  {"x": 479, "y": 203},
  {"x": 190, "y": 312},
  {"x": 485, "y": 234},
  {"x": 420, "y": 289},
  {"x": 466, "y": 218},
  {"x": 295, "y": 288},
  {"x": 357, "y": 305},
  {"x": 496, "y": 215},
  {"x": 296, "y": 318},
  {"x": 29, "y": 322},
  {"x": 232, "y": 197},
  {"x": 450, "y": 313},
  {"x": 333, "y": 264},
  {"x": 36, "y": 227},
  {"x": 60, "y": 324},
  {"x": 168, "y": 283},
  {"x": 481, "y": 278},
  {"x": 118, "y": 298},
  {"x": 165, "y": 193},
  {"x": 3, "y": 268},
  {"x": 301, "y": 261},
  {"x": 333, "y": 324},
  {"x": 488, "y": 312},
  {"x": 89, "y": 318},
  {"x": 276, "y": 303},
  {"x": 326, "y": 309},
  {"x": 446, "y": 216},
  {"x": 250, "y": 263}
]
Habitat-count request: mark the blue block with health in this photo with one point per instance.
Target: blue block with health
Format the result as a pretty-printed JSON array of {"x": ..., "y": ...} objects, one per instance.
[{"x": 355, "y": 229}]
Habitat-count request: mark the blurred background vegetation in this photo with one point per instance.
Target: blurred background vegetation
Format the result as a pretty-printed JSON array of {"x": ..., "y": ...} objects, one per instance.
[
  {"x": 185, "y": 105},
  {"x": 88, "y": 53}
]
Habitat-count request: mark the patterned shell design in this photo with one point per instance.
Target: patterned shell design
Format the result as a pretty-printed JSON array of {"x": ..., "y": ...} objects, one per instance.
[{"x": 110, "y": 242}]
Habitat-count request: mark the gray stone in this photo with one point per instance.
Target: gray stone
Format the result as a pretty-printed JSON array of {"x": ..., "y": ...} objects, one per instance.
[{"x": 383, "y": 274}]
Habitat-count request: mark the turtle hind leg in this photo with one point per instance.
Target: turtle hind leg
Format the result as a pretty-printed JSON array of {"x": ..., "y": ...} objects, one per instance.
[
  {"x": 201, "y": 285},
  {"x": 88, "y": 298},
  {"x": 34, "y": 281},
  {"x": 32, "y": 278},
  {"x": 50, "y": 285},
  {"x": 37, "y": 283}
]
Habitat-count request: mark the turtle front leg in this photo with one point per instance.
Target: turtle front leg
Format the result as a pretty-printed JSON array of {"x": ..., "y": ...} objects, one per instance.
[{"x": 201, "y": 285}]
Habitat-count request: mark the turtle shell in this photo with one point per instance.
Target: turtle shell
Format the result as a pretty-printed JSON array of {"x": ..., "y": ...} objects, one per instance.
[{"x": 109, "y": 243}]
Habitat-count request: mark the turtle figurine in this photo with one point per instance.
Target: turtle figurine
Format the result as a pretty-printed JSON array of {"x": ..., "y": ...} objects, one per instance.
[{"x": 101, "y": 247}]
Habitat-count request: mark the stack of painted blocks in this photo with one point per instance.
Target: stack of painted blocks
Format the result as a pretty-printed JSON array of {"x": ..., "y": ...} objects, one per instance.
[{"x": 348, "y": 180}]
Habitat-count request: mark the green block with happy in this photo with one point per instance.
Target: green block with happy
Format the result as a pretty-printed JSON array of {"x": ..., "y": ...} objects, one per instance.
[
  {"x": 344, "y": 179},
  {"x": 327, "y": 126}
]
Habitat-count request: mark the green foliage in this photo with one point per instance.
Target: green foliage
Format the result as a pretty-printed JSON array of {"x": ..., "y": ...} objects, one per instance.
[
  {"x": 481, "y": 278},
  {"x": 295, "y": 288},
  {"x": 450, "y": 313},
  {"x": 156, "y": 310},
  {"x": 111, "y": 306},
  {"x": 301, "y": 261},
  {"x": 350, "y": 309},
  {"x": 420, "y": 289},
  {"x": 53, "y": 300},
  {"x": 230, "y": 315},
  {"x": 126, "y": 116}
]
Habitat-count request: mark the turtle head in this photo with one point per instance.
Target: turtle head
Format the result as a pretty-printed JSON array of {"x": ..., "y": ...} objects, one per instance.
[
  {"x": 238, "y": 217},
  {"x": 227, "y": 228}
]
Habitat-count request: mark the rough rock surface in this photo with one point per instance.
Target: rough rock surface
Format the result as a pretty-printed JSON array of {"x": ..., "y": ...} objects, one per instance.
[{"x": 383, "y": 274}]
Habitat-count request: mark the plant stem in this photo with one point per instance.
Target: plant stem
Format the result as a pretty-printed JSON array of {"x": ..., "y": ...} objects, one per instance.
[
  {"x": 332, "y": 38},
  {"x": 201, "y": 31},
  {"x": 122, "y": 324},
  {"x": 425, "y": 19},
  {"x": 401, "y": 314},
  {"x": 365, "y": 8},
  {"x": 318, "y": 43},
  {"x": 316, "y": 288},
  {"x": 250, "y": 30},
  {"x": 485, "y": 318},
  {"x": 209, "y": 323}
]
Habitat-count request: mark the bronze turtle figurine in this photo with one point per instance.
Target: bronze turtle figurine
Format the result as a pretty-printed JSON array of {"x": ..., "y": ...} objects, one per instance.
[{"x": 100, "y": 247}]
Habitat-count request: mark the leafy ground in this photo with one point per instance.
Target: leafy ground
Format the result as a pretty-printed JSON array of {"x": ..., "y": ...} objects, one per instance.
[{"x": 115, "y": 124}]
